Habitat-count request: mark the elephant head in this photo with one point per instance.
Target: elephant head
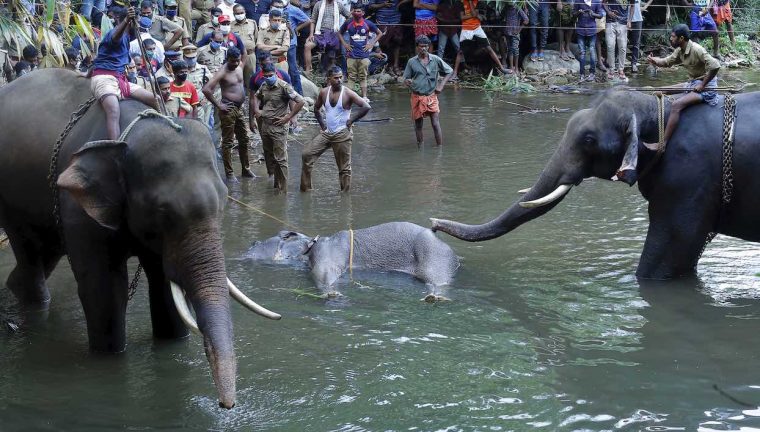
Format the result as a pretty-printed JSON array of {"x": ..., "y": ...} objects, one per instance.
[
  {"x": 285, "y": 246},
  {"x": 162, "y": 190},
  {"x": 596, "y": 142}
]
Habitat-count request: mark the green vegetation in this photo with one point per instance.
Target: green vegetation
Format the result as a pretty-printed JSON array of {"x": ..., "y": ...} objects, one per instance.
[{"x": 501, "y": 83}]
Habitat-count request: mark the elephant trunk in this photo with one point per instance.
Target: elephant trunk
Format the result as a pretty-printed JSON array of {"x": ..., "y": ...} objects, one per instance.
[
  {"x": 551, "y": 188},
  {"x": 196, "y": 263}
]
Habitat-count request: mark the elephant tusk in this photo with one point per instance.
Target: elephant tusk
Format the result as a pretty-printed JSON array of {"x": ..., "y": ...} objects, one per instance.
[
  {"x": 523, "y": 191},
  {"x": 558, "y": 193},
  {"x": 250, "y": 304},
  {"x": 184, "y": 312}
]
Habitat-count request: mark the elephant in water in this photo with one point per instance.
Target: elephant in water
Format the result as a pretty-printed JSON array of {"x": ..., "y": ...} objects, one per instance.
[
  {"x": 395, "y": 246},
  {"x": 157, "y": 196},
  {"x": 683, "y": 187}
]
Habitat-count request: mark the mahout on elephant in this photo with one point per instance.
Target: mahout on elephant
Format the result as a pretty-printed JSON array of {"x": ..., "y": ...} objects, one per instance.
[
  {"x": 683, "y": 185},
  {"x": 394, "y": 246},
  {"x": 157, "y": 195}
]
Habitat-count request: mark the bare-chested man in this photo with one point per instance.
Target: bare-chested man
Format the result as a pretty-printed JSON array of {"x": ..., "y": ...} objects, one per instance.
[{"x": 230, "y": 79}]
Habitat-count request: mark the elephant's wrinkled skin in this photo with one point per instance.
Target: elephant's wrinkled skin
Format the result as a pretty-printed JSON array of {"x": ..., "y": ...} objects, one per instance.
[
  {"x": 394, "y": 246},
  {"x": 683, "y": 188},
  {"x": 159, "y": 197}
]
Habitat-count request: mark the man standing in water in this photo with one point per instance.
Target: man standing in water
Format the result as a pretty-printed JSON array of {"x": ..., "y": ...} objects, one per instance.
[
  {"x": 230, "y": 79},
  {"x": 421, "y": 76},
  {"x": 336, "y": 129}
]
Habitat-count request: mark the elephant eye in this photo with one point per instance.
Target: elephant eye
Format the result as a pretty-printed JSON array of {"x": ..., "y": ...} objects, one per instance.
[{"x": 589, "y": 140}]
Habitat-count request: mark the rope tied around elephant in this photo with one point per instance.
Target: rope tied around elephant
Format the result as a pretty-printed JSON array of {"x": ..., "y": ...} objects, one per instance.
[{"x": 53, "y": 170}]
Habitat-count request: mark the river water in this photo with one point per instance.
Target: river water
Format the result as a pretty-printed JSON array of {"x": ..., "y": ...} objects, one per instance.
[{"x": 547, "y": 329}]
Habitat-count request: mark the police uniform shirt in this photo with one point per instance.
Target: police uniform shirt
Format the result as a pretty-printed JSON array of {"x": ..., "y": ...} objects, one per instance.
[{"x": 275, "y": 99}]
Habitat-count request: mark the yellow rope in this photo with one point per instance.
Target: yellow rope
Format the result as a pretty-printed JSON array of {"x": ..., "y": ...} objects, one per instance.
[
  {"x": 250, "y": 207},
  {"x": 351, "y": 255}
]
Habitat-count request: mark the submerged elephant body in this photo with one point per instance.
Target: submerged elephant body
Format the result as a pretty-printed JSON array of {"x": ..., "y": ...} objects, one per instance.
[
  {"x": 683, "y": 187},
  {"x": 394, "y": 246},
  {"x": 157, "y": 196}
]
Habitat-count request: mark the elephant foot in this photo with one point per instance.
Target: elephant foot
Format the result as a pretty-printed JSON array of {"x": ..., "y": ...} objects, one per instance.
[
  {"x": 434, "y": 298},
  {"x": 32, "y": 300}
]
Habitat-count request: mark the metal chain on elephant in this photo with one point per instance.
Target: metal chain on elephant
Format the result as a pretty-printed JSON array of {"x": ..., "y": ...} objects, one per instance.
[
  {"x": 727, "y": 162},
  {"x": 53, "y": 171}
]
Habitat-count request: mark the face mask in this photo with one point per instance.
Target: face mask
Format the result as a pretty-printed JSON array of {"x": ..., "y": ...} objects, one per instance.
[
  {"x": 240, "y": 17},
  {"x": 215, "y": 21},
  {"x": 357, "y": 16},
  {"x": 275, "y": 26},
  {"x": 225, "y": 28},
  {"x": 149, "y": 54},
  {"x": 271, "y": 80},
  {"x": 171, "y": 14},
  {"x": 215, "y": 45},
  {"x": 180, "y": 77},
  {"x": 132, "y": 77},
  {"x": 190, "y": 61}
]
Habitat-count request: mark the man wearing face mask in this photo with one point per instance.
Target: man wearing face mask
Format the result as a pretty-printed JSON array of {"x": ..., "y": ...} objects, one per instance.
[
  {"x": 133, "y": 76},
  {"x": 170, "y": 7},
  {"x": 271, "y": 104},
  {"x": 358, "y": 31},
  {"x": 230, "y": 39},
  {"x": 160, "y": 26},
  {"x": 149, "y": 45},
  {"x": 198, "y": 75},
  {"x": 275, "y": 39},
  {"x": 213, "y": 54},
  {"x": 144, "y": 24},
  {"x": 182, "y": 88},
  {"x": 230, "y": 79},
  {"x": 210, "y": 26},
  {"x": 166, "y": 70},
  {"x": 245, "y": 29}
]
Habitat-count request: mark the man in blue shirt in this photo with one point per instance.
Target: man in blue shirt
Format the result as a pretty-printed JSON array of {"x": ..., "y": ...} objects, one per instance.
[
  {"x": 358, "y": 30},
  {"x": 255, "y": 9},
  {"x": 108, "y": 82},
  {"x": 388, "y": 17}
]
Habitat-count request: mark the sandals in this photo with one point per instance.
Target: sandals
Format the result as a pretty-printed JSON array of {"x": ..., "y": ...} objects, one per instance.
[
  {"x": 534, "y": 56},
  {"x": 541, "y": 56}
]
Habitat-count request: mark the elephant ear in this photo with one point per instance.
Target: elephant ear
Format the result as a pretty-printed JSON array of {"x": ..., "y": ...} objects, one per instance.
[
  {"x": 627, "y": 171},
  {"x": 94, "y": 178}
]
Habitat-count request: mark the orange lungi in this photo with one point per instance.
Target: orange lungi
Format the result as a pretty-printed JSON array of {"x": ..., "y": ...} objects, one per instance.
[
  {"x": 722, "y": 14},
  {"x": 424, "y": 105}
]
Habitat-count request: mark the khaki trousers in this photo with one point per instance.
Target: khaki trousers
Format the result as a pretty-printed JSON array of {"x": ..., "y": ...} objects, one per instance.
[
  {"x": 234, "y": 126},
  {"x": 185, "y": 11},
  {"x": 274, "y": 143},
  {"x": 341, "y": 146},
  {"x": 357, "y": 71}
]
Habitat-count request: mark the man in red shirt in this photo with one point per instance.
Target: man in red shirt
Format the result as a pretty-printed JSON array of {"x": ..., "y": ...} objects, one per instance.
[{"x": 183, "y": 88}]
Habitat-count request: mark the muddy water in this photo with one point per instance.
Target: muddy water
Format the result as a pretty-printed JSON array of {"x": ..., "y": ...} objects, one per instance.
[{"x": 547, "y": 328}]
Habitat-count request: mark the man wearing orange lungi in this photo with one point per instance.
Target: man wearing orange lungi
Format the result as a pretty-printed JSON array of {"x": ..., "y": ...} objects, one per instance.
[{"x": 421, "y": 76}]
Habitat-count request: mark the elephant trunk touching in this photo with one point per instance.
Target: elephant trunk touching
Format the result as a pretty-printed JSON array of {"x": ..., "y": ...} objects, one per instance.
[
  {"x": 196, "y": 263},
  {"x": 551, "y": 188}
]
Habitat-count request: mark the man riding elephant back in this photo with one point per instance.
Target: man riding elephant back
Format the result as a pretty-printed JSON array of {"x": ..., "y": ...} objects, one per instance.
[{"x": 108, "y": 83}]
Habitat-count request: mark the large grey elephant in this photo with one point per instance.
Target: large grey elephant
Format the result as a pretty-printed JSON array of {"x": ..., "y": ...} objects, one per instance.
[
  {"x": 683, "y": 187},
  {"x": 394, "y": 246},
  {"x": 157, "y": 196}
]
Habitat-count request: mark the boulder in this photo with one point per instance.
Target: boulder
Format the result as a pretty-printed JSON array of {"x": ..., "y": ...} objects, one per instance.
[
  {"x": 310, "y": 89},
  {"x": 556, "y": 80},
  {"x": 551, "y": 62}
]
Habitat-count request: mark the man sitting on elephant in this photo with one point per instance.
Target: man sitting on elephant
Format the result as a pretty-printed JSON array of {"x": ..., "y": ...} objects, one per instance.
[
  {"x": 702, "y": 69},
  {"x": 109, "y": 85}
]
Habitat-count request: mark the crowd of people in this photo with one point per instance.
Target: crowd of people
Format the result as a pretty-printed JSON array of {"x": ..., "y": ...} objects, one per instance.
[{"x": 204, "y": 59}]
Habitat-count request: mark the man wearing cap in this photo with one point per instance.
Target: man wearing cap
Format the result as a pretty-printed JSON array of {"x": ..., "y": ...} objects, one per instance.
[
  {"x": 210, "y": 26},
  {"x": 198, "y": 75},
  {"x": 246, "y": 29},
  {"x": 421, "y": 76},
  {"x": 166, "y": 69},
  {"x": 170, "y": 11},
  {"x": 271, "y": 104},
  {"x": 275, "y": 39}
]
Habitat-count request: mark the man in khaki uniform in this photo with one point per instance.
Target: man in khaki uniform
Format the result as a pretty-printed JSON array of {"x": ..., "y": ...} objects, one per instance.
[
  {"x": 275, "y": 39},
  {"x": 213, "y": 56},
  {"x": 161, "y": 26},
  {"x": 274, "y": 97},
  {"x": 171, "y": 14},
  {"x": 201, "y": 11},
  {"x": 199, "y": 75},
  {"x": 210, "y": 26},
  {"x": 246, "y": 29}
]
